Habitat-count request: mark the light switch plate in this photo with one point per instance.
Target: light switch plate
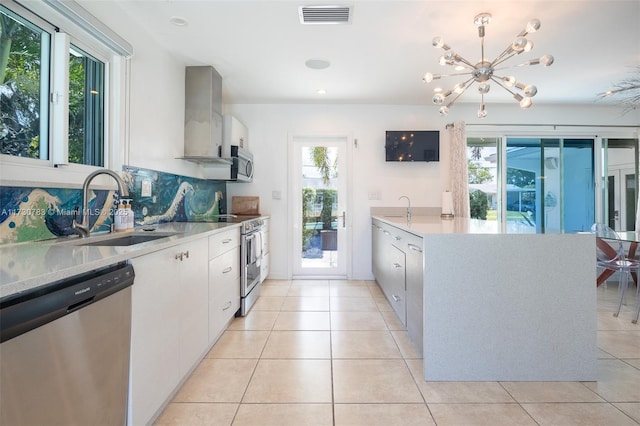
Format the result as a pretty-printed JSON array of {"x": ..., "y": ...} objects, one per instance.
[
  {"x": 374, "y": 195},
  {"x": 276, "y": 195},
  {"x": 145, "y": 191}
]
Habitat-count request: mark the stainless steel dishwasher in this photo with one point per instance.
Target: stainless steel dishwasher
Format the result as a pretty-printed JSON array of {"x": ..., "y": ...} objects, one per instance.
[{"x": 64, "y": 351}]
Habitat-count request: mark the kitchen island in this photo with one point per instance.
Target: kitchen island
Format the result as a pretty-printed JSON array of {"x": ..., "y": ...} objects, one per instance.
[{"x": 498, "y": 304}]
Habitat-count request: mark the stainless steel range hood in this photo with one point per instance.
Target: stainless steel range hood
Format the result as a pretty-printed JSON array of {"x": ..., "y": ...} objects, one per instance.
[{"x": 203, "y": 115}]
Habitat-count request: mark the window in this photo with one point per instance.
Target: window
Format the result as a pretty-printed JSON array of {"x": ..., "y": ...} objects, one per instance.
[
  {"x": 549, "y": 183},
  {"x": 61, "y": 73},
  {"x": 86, "y": 108},
  {"x": 25, "y": 87}
]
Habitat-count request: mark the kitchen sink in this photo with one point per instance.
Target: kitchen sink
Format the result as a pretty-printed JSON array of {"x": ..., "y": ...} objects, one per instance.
[{"x": 125, "y": 240}]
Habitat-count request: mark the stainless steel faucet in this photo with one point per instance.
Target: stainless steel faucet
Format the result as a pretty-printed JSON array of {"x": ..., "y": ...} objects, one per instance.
[
  {"x": 82, "y": 228},
  {"x": 408, "y": 208}
]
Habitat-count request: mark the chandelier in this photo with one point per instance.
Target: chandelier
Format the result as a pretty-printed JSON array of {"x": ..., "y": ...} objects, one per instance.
[{"x": 484, "y": 71}]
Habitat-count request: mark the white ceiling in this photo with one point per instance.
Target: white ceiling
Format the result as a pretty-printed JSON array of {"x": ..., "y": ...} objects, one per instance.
[{"x": 260, "y": 47}]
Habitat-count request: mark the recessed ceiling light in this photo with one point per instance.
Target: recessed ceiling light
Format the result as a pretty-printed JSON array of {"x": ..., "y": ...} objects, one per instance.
[
  {"x": 179, "y": 21},
  {"x": 317, "y": 64},
  {"x": 321, "y": 92}
]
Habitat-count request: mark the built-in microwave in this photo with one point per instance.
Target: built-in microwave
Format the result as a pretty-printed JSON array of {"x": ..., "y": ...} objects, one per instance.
[{"x": 240, "y": 169}]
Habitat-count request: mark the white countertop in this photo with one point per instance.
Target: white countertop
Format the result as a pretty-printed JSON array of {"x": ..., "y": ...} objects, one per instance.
[
  {"x": 425, "y": 225},
  {"x": 25, "y": 266}
]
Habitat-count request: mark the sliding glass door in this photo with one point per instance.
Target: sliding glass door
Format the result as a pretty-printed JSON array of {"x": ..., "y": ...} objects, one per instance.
[{"x": 550, "y": 183}]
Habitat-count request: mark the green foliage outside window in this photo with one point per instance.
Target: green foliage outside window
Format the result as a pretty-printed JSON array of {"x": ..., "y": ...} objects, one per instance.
[
  {"x": 308, "y": 199},
  {"x": 24, "y": 84},
  {"x": 20, "y": 75}
]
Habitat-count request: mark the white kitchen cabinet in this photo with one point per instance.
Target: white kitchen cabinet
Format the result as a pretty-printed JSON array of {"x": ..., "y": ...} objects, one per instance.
[
  {"x": 169, "y": 324},
  {"x": 224, "y": 280},
  {"x": 264, "y": 265},
  {"x": 234, "y": 132},
  {"x": 194, "y": 309}
]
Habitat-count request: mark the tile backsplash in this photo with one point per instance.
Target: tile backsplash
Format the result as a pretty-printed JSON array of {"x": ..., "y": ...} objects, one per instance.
[{"x": 37, "y": 213}]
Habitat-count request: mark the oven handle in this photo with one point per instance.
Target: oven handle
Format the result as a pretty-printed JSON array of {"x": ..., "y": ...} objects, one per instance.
[{"x": 251, "y": 251}]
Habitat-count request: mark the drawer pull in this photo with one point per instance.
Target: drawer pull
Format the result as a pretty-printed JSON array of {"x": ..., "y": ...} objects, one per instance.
[
  {"x": 227, "y": 270},
  {"x": 228, "y": 306},
  {"x": 398, "y": 238},
  {"x": 227, "y": 240},
  {"x": 395, "y": 298},
  {"x": 415, "y": 248},
  {"x": 386, "y": 232},
  {"x": 397, "y": 265}
]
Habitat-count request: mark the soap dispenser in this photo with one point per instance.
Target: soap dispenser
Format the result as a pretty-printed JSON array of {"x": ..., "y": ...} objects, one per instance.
[
  {"x": 120, "y": 217},
  {"x": 130, "y": 216}
]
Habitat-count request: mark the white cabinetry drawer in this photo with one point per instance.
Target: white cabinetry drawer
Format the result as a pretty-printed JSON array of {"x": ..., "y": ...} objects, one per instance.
[{"x": 224, "y": 241}]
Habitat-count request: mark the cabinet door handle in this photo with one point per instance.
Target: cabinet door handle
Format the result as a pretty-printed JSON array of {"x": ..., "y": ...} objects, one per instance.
[
  {"x": 182, "y": 255},
  {"x": 227, "y": 241},
  {"x": 395, "y": 298},
  {"x": 398, "y": 238},
  {"x": 386, "y": 232},
  {"x": 227, "y": 270},
  {"x": 397, "y": 265},
  {"x": 228, "y": 306},
  {"x": 415, "y": 248}
]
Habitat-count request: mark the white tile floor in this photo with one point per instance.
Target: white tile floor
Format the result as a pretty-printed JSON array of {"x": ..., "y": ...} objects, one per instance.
[{"x": 333, "y": 353}]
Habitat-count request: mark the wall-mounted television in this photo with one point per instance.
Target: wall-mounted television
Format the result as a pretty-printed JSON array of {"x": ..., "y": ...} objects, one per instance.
[{"x": 412, "y": 145}]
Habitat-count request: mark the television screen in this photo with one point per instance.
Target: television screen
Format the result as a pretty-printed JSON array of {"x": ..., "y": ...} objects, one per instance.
[{"x": 412, "y": 145}]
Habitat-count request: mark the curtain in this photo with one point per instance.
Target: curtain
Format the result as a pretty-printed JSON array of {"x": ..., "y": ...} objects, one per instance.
[{"x": 458, "y": 170}]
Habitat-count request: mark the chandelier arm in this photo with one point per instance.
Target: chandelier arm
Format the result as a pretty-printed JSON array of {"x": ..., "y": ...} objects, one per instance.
[
  {"x": 481, "y": 44},
  {"x": 499, "y": 83},
  {"x": 455, "y": 98},
  {"x": 508, "y": 50},
  {"x": 508, "y": 67},
  {"x": 465, "y": 62},
  {"x": 454, "y": 74},
  {"x": 505, "y": 58},
  {"x": 460, "y": 94}
]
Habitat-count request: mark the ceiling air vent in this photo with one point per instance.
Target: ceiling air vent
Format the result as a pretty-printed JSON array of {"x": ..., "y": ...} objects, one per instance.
[{"x": 324, "y": 14}]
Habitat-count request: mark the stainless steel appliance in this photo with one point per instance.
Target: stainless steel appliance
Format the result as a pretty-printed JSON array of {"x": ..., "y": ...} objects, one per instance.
[
  {"x": 252, "y": 233},
  {"x": 64, "y": 356},
  {"x": 240, "y": 169},
  {"x": 203, "y": 114}
]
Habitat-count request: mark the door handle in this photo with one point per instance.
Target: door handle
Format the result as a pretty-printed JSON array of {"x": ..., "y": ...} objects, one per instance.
[{"x": 344, "y": 219}]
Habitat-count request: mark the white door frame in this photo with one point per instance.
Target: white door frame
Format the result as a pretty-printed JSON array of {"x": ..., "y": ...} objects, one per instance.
[
  {"x": 620, "y": 194},
  {"x": 294, "y": 214}
]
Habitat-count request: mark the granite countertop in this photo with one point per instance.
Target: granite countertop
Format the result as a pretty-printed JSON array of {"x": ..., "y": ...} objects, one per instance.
[{"x": 25, "y": 266}]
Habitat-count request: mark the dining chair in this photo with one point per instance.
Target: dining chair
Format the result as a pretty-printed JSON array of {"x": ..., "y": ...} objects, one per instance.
[{"x": 611, "y": 257}]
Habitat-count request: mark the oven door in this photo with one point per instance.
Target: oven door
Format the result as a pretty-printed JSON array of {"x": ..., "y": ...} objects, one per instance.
[{"x": 251, "y": 258}]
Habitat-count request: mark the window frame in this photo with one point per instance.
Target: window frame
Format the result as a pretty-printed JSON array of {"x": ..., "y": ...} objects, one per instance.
[{"x": 56, "y": 171}]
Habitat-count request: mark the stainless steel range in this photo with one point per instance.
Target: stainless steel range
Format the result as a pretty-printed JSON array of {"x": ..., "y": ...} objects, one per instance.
[{"x": 252, "y": 234}]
